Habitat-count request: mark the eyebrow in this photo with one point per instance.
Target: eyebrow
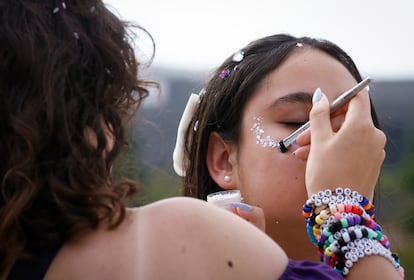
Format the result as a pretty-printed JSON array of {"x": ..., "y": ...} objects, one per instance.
[{"x": 294, "y": 97}]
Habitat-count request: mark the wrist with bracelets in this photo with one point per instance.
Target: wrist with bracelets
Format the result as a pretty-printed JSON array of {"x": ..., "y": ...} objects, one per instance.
[{"x": 345, "y": 230}]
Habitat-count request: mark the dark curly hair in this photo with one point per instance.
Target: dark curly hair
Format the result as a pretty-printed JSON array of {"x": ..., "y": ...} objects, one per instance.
[{"x": 65, "y": 68}]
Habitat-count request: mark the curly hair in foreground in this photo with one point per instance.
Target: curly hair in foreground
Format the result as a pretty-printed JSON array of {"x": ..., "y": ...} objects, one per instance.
[{"x": 68, "y": 81}]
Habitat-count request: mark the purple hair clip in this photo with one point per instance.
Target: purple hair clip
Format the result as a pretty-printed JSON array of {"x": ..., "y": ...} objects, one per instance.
[
  {"x": 237, "y": 58},
  {"x": 224, "y": 74}
]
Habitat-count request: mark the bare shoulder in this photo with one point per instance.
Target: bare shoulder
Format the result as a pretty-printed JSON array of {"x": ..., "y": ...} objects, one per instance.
[
  {"x": 210, "y": 243},
  {"x": 175, "y": 238}
]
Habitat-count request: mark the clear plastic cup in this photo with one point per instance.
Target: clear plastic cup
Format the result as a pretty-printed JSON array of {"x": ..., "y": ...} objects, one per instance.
[{"x": 224, "y": 199}]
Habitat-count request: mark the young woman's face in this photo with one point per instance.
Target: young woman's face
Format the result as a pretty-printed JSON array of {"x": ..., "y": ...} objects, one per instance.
[{"x": 266, "y": 177}]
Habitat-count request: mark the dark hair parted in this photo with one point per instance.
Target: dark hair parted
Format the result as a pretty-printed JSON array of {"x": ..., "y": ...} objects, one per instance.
[
  {"x": 225, "y": 97},
  {"x": 68, "y": 81}
]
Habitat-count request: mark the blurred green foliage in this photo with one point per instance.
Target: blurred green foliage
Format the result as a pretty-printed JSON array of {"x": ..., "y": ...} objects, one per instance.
[
  {"x": 403, "y": 175},
  {"x": 155, "y": 182},
  {"x": 395, "y": 208}
]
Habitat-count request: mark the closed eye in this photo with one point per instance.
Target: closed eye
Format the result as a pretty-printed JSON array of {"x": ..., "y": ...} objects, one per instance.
[{"x": 294, "y": 124}]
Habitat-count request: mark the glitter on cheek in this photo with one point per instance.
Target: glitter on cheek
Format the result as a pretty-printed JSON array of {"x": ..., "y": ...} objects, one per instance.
[{"x": 259, "y": 133}]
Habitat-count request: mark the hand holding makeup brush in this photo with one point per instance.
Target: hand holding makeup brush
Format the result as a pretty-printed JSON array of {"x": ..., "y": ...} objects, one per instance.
[{"x": 350, "y": 157}]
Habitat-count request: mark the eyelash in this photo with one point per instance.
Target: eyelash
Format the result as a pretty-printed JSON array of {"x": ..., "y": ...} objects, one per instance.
[{"x": 294, "y": 124}]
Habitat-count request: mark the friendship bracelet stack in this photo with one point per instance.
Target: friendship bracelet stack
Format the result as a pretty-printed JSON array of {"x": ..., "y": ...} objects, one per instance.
[{"x": 345, "y": 229}]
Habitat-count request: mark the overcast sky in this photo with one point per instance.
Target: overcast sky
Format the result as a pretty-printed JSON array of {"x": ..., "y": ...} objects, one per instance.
[{"x": 191, "y": 34}]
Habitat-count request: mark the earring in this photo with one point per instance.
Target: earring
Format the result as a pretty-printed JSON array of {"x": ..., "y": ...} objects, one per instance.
[{"x": 227, "y": 178}]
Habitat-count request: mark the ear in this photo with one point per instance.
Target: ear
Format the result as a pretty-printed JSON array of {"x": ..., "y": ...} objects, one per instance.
[{"x": 219, "y": 163}]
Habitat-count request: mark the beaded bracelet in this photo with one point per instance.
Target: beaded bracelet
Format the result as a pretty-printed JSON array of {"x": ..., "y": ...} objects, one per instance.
[
  {"x": 345, "y": 229},
  {"x": 360, "y": 248},
  {"x": 345, "y": 221},
  {"x": 339, "y": 198},
  {"x": 325, "y": 224}
]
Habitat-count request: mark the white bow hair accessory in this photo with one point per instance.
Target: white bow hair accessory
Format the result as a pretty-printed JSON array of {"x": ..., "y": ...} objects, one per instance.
[{"x": 178, "y": 154}]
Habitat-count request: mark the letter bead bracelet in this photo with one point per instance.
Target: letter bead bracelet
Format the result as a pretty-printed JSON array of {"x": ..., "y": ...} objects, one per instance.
[{"x": 345, "y": 231}]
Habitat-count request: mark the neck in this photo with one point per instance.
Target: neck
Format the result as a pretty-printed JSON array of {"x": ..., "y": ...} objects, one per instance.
[{"x": 294, "y": 240}]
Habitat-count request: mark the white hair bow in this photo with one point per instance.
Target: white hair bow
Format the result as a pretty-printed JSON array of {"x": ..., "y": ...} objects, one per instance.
[{"x": 178, "y": 154}]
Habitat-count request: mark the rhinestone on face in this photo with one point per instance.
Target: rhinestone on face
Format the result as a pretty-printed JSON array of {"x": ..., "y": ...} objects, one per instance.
[{"x": 261, "y": 139}]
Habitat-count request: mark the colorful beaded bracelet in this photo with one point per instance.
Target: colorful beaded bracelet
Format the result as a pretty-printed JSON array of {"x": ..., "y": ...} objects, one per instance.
[{"x": 345, "y": 230}]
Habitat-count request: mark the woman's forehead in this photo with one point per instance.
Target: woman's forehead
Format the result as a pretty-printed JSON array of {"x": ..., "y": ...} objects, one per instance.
[{"x": 302, "y": 72}]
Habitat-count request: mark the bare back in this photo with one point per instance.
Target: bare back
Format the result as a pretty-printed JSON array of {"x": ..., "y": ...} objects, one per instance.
[{"x": 177, "y": 238}]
